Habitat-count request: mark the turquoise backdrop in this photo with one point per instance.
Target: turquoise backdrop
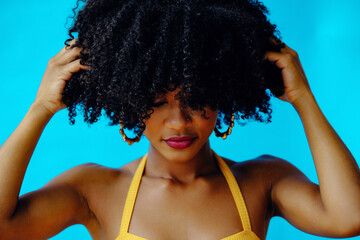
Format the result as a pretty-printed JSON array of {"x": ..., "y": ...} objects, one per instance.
[{"x": 325, "y": 33}]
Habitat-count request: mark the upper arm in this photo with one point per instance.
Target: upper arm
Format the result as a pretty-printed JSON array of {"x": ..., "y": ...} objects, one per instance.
[
  {"x": 45, "y": 212},
  {"x": 298, "y": 200}
]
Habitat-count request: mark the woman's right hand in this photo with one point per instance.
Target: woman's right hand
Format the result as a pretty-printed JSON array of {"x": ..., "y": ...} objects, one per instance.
[{"x": 59, "y": 69}]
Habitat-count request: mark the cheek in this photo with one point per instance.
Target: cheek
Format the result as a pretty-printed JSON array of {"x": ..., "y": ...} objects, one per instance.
[
  {"x": 213, "y": 117},
  {"x": 151, "y": 125},
  {"x": 148, "y": 128},
  {"x": 209, "y": 123}
]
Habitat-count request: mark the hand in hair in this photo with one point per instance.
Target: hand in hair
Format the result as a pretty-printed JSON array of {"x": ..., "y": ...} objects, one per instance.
[
  {"x": 295, "y": 81},
  {"x": 59, "y": 69}
]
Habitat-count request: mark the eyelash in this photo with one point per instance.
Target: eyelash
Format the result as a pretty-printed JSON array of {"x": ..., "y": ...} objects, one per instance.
[{"x": 158, "y": 104}]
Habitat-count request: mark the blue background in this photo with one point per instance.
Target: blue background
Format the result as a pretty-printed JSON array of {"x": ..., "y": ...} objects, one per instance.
[{"x": 325, "y": 33}]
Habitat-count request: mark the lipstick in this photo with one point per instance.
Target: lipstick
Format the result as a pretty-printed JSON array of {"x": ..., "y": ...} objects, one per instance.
[{"x": 180, "y": 142}]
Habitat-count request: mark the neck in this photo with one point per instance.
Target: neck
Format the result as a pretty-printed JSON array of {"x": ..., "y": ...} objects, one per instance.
[{"x": 181, "y": 170}]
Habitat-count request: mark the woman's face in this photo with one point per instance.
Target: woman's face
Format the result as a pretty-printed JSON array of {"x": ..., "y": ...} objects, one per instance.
[{"x": 176, "y": 132}]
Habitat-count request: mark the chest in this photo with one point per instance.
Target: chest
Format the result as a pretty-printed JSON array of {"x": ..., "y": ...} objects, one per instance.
[{"x": 206, "y": 210}]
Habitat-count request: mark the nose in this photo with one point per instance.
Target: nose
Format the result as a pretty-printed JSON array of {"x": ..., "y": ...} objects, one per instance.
[{"x": 178, "y": 117}]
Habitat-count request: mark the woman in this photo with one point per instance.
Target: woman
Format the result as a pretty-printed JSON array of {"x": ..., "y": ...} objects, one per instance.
[{"x": 183, "y": 182}]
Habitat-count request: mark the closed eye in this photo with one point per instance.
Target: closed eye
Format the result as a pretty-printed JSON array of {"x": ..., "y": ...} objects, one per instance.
[{"x": 158, "y": 104}]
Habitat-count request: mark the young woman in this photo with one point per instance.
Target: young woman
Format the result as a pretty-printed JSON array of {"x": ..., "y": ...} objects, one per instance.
[{"x": 174, "y": 72}]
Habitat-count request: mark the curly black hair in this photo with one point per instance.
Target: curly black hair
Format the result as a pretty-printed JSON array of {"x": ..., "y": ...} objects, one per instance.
[{"x": 213, "y": 50}]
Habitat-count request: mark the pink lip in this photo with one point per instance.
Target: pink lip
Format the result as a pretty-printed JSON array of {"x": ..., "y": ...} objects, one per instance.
[
  {"x": 179, "y": 139},
  {"x": 179, "y": 142}
]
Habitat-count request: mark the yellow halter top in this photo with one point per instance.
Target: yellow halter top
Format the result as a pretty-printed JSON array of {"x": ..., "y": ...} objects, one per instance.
[{"x": 246, "y": 234}]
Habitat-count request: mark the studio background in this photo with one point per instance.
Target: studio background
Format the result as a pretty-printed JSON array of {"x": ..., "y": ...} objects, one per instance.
[{"x": 325, "y": 33}]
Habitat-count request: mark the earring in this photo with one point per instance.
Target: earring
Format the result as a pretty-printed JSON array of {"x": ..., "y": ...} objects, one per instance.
[
  {"x": 130, "y": 141},
  {"x": 228, "y": 131}
]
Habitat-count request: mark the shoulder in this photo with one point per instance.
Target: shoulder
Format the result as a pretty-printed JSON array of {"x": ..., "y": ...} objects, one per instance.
[
  {"x": 276, "y": 168},
  {"x": 267, "y": 173},
  {"x": 85, "y": 180},
  {"x": 88, "y": 177},
  {"x": 87, "y": 173},
  {"x": 269, "y": 166},
  {"x": 269, "y": 178},
  {"x": 257, "y": 178},
  {"x": 96, "y": 185}
]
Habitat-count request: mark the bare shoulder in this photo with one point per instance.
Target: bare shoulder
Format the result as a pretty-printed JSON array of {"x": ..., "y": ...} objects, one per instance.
[
  {"x": 276, "y": 168},
  {"x": 103, "y": 190},
  {"x": 90, "y": 178},
  {"x": 93, "y": 172},
  {"x": 269, "y": 166},
  {"x": 260, "y": 178},
  {"x": 87, "y": 173},
  {"x": 264, "y": 173}
]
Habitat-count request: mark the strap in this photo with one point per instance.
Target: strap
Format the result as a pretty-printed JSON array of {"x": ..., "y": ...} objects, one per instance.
[
  {"x": 235, "y": 190},
  {"x": 131, "y": 197},
  {"x": 230, "y": 179}
]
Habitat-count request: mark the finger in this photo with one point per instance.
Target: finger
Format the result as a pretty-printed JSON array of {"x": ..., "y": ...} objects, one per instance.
[
  {"x": 275, "y": 40},
  {"x": 281, "y": 60},
  {"x": 67, "y": 56},
  {"x": 71, "y": 43},
  {"x": 59, "y": 58},
  {"x": 289, "y": 50},
  {"x": 286, "y": 48},
  {"x": 292, "y": 52},
  {"x": 286, "y": 60},
  {"x": 67, "y": 47},
  {"x": 70, "y": 55},
  {"x": 73, "y": 67}
]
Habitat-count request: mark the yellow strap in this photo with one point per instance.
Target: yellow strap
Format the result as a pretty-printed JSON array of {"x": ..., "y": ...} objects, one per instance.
[
  {"x": 131, "y": 196},
  {"x": 235, "y": 190},
  {"x": 231, "y": 181}
]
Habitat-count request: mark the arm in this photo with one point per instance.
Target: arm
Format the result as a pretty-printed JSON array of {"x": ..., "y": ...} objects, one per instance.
[
  {"x": 331, "y": 209},
  {"x": 18, "y": 218}
]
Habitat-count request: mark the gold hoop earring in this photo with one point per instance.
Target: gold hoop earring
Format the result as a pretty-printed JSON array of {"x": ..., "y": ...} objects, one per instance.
[
  {"x": 130, "y": 141},
  {"x": 228, "y": 131}
]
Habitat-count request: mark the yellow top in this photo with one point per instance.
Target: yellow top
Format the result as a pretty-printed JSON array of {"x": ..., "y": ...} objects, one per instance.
[{"x": 246, "y": 234}]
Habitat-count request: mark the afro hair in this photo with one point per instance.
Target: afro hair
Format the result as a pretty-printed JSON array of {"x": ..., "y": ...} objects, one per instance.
[{"x": 212, "y": 50}]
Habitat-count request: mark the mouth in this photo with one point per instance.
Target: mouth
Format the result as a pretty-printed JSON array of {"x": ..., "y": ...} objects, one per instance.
[{"x": 180, "y": 142}]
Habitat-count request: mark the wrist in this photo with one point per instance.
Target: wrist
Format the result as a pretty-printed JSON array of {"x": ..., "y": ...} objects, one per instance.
[
  {"x": 306, "y": 101},
  {"x": 40, "y": 109}
]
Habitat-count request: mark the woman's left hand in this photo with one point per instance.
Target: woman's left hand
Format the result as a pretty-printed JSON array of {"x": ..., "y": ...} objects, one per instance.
[{"x": 295, "y": 82}]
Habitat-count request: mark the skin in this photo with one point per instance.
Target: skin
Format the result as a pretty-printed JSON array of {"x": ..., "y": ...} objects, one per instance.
[
  {"x": 178, "y": 184},
  {"x": 171, "y": 120}
]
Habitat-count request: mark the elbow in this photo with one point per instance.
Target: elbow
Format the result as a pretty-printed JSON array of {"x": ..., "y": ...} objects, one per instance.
[
  {"x": 3, "y": 231},
  {"x": 6, "y": 232},
  {"x": 349, "y": 228},
  {"x": 350, "y": 232},
  {"x": 354, "y": 230}
]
